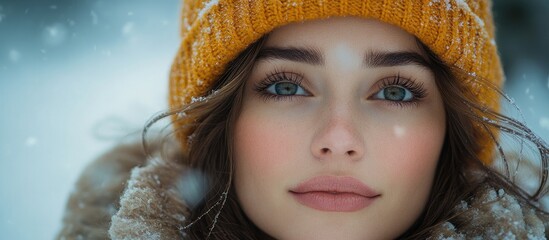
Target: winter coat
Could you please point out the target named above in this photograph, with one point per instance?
(125, 195)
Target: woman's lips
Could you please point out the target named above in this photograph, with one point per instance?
(334, 194)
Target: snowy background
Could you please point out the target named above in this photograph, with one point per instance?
(76, 76)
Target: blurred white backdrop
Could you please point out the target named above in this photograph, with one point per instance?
(76, 76)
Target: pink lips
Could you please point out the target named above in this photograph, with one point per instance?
(334, 194)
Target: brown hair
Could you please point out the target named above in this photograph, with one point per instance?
(458, 175)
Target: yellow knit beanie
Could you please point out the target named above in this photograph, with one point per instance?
(214, 32)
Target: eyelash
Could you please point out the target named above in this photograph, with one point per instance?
(417, 89)
(277, 76)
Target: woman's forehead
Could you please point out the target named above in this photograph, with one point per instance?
(357, 33)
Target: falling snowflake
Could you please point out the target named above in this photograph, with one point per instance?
(95, 19)
(128, 28)
(191, 186)
(14, 55)
(55, 34)
(544, 123)
(31, 141)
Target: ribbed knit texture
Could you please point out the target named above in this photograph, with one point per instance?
(461, 32)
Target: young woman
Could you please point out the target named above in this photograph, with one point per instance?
(323, 120)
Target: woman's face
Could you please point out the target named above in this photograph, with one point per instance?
(340, 132)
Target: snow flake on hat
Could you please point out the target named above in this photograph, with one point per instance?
(207, 8)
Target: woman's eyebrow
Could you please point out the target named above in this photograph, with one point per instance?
(398, 58)
(315, 57)
(305, 55)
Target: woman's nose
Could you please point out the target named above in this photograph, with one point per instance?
(337, 139)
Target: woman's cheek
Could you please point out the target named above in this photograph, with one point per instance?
(266, 160)
(412, 155)
(259, 143)
(266, 149)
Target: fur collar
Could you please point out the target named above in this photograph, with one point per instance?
(122, 195)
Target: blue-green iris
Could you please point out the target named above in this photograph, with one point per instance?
(285, 88)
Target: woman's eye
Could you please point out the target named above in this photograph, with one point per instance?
(395, 94)
(285, 89)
